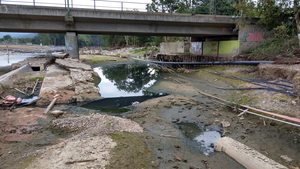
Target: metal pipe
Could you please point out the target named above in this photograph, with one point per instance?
(94, 4)
(208, 63)
(33, 2)
(122, 6)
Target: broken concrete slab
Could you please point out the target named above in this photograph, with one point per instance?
(25, 68)
(36, 63)
(71, 84)
(79, 75)
(73, 64)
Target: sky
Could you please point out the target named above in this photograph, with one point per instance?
(140, 5)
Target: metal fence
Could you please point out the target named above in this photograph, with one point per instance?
(88, 4)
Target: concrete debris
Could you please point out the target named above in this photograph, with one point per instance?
(79, 75)
(4, 78)
(73, 64)
(72, 85)
(286, 158)
(39, 63)
(225, 124)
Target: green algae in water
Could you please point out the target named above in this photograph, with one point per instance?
(190, 130)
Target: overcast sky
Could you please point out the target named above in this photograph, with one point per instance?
(140, 5)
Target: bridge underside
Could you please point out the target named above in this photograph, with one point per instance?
(14, 18)
(115, 28)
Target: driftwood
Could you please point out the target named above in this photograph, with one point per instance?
(177, 158)
(162, 135)
(37, 82)
(80, 161)
(50, 106)
(21, 91)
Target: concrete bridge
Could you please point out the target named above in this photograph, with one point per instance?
(16, 18)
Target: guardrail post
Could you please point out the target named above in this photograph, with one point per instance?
(147, 7)
(65, 3)
(94, 4)
(33, 2)
(72, 3)
(122, 6)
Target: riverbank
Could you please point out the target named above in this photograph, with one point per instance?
(20, 49)
(179, 124)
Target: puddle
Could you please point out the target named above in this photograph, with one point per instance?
(124, 80)
(206, 137)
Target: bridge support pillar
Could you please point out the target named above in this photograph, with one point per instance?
(71, 41)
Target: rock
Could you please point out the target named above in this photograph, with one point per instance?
(176, 120)
(286, 158)
(199, 107)
(296, 84)
(225, 124)
(57, 113)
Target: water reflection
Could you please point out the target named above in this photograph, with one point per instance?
(126, 80)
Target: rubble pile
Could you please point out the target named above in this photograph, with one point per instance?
(71, 80)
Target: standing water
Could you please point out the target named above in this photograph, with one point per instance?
(123, 85)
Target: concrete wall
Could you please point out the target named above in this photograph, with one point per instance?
(225, 48)
(229, 48)
(174, 47)
(196, 48)
(251, 35)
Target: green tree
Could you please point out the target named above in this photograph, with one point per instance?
(7, 38)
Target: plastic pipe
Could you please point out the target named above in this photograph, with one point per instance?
(246, 156)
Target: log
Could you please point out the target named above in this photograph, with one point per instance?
(177, 158)
(162, 135)
(80, 161)
(50, 106)
(37, 81)
(21, 91)
(245, 155)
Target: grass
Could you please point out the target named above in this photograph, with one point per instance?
(143, 52)
(130, 146)
(34, 79)
(274, 46)
(27, 162)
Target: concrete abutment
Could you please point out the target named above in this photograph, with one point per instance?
(71, 41)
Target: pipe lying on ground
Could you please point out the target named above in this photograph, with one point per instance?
(246, 156)
(252, 108)
(208, 63)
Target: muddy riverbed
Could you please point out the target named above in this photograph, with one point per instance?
(183, 124)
